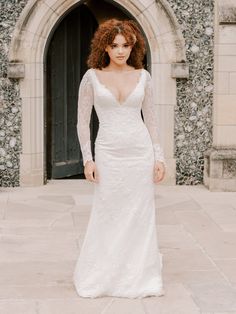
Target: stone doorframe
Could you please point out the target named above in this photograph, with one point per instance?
(27, 62)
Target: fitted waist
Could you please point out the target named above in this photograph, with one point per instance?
(129, 123)
(127, 134)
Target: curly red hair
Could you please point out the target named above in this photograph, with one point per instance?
(104, 36)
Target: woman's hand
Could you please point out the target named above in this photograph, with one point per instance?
(159, 171)
(90, 171)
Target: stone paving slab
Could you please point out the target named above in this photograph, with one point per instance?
(42, 230)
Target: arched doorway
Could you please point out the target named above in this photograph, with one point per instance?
(65, 65)
(27, 57)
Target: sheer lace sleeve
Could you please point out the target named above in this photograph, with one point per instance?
(149, 110)
(85, 104)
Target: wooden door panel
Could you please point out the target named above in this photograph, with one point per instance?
(66, 64)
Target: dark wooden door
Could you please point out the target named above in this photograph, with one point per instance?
(66, 64)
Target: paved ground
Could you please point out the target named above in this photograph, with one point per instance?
(42, 230)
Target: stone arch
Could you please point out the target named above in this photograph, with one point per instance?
(27, 51)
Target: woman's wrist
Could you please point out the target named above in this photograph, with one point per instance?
(162, 161)
(88, 161)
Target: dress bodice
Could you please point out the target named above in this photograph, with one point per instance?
(104, 92)
(114, 114)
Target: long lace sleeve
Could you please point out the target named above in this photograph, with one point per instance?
(149, 110)
(85, 104)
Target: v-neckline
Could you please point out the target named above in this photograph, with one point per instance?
(121, 103)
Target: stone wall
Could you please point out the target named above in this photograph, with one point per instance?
(10, 104)
(193, 117)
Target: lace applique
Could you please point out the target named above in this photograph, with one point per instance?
(149, 110)
(85, 104)
(159, 154)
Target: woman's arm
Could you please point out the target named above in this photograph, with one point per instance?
(149, 110)
(85, 104)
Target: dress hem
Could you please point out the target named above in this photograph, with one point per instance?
(161, 292)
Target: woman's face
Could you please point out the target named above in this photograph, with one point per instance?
(119, 51)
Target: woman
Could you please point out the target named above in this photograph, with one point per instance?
(120, 256)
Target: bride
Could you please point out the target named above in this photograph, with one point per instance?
(120, 254)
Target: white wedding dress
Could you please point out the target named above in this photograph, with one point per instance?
(120, 255)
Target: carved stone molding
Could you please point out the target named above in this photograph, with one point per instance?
(179, 70)
(16, 70)
(220, 169)
(227, 12)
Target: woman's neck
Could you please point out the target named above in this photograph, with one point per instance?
(118, 67)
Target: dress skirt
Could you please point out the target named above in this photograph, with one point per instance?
(120, 255)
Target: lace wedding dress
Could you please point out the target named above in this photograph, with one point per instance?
(120, 255)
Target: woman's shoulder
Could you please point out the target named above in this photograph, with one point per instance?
(147, 77)
(87, 76)
(147, 73)
(88, 72)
